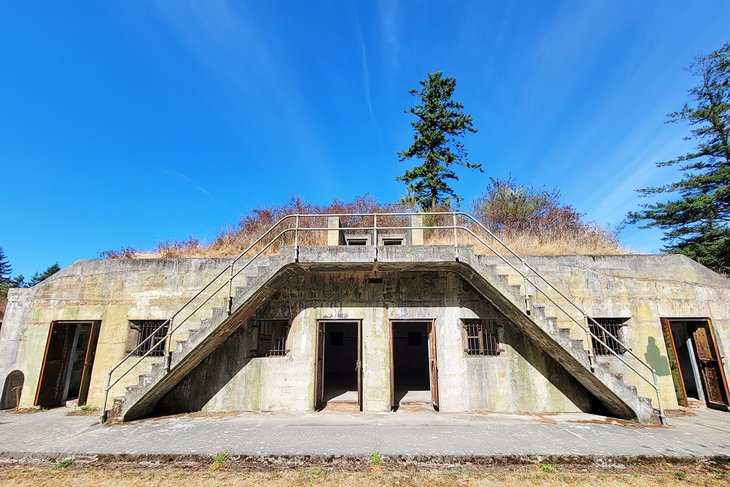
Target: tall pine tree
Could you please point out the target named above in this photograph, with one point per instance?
(440, 124)
(696, 222)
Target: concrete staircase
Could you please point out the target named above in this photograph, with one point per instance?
(497, 283)
(202, 336)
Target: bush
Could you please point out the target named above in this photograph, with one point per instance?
(534, 221)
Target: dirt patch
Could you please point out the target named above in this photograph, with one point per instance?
(125, 475)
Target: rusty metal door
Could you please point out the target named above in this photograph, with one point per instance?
(319, 368)
(359, 364)
(89, 362)
(392, 367)
(710, 368)
(433, 365)
(55, 362)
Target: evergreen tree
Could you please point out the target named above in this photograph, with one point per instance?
(38, 278)
(696, 222)
(5, 268)
(440, 124)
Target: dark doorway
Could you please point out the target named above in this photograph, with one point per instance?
(699, 371)
(413, 364)
(67, 363)
(338, 378)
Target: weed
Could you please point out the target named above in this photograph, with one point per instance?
(64, 463)
(679, 475)
(219, 460)
(547, 468)
(87, 408)
(376, 458)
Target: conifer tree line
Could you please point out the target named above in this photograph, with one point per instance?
(7, 281)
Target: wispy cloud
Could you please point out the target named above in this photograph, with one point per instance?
(179, 176)
(232, 47)
(366, 76)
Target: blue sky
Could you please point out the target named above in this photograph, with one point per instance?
(127, 123)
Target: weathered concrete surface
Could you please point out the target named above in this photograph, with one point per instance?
(644, 288)
(52, 435)
(521, 379)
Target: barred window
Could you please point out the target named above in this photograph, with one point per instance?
(608, 335)
(272, 338)
(141, 330)
(482, 337)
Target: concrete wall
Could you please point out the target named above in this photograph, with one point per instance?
(519, 379)
(642, 288)
(112, 291)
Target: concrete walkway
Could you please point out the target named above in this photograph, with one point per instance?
(415, 435)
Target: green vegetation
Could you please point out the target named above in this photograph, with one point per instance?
(219, 460)
(440, 124)
(68, 461)
(7, 281)
(696, 221)
(376, 458)
(547, 468)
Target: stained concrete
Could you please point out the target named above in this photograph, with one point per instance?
(643, 288)
(408, 435)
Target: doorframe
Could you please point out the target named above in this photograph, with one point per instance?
(713, 337)
(319, 360)
(432, 358)
(88, 365)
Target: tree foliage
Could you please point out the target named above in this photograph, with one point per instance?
(440, 124)
(510, 209)
(696, 220)
(40, 277)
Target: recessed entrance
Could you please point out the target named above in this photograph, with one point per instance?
(338, 368)
(414, 374)
(67, 363)
(698, 371)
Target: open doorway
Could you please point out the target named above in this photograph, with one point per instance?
(413, 370)
(67, 363)
(338, 365)
(699, 375)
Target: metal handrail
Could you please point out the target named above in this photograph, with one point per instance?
(374, 228)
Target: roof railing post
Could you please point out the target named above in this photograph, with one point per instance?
(296, 239)
(456, 238)
(375, 237)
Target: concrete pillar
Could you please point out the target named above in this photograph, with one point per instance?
(333, 234)
(417, 233)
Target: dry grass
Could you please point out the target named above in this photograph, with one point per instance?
(553, 233)
(199, 476)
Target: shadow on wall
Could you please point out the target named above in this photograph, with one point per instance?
(551, 370)
(11, 390)
(655, 359)
(209, 377)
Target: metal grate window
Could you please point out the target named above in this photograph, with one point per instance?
(482, 337)
(613, 327)
(272, 338)
(156, 329)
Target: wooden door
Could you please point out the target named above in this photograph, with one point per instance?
(55, 362)
(358, 366)
(433, 365)
(89, 363)
(673, 359)
(710, 368)
(319, 368)
(392, 367)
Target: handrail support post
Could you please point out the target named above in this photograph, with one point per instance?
(296, 238)
(456, 239)
(375, 237)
